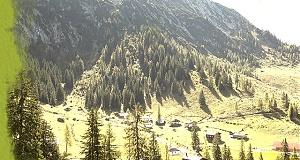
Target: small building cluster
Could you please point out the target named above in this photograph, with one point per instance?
(277, 146)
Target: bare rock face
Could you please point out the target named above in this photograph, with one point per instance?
(58, 30)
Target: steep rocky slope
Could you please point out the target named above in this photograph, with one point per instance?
(59, 30)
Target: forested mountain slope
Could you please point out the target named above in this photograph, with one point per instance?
(64, 38)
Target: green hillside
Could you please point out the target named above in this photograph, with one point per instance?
(10, 63)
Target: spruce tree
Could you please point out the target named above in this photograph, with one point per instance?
(294, 155)
(68, 137)
(167, 152)
(260, 104)
(226, 153)
(92, 139)
(110, 151)
(205, 152)
(60, 95)
(24, 120)
(216, 151)
(135, 143)
(236, 81)
(230, 82)
(260, 156)
(242, 153)
(291, 112)
(153, 149)
(49, 146)
(202, 99)
(195, 139)
(249, 154)
(229, 153)
(285, 150)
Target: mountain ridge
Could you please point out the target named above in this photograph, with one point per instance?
(59, 30)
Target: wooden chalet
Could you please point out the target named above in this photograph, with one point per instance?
(238, 135)
(174, 151)
(211, 135)
(175, 123)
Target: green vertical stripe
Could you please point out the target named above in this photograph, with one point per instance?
(10, 64)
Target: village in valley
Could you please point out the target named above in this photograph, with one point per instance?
(173, 126)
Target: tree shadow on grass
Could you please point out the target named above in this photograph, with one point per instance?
(181, 99)
(206, 109)
(214, 92)
(188, 85)
(296, 121)
(275, 114)
(227, 92)
(211, 89)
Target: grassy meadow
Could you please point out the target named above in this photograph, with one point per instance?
(10, 63)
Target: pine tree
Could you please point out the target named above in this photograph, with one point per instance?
(195, 139)
(294, 155)
(249, 154)
(60, 95)
(229, 153)
(260, 156)
(230, 82)
(135, 141)
(236, 81)
(153, 149)
(92, 139)
(202, 99)
(110, 152)
(285, 100)
(236, 107)
(159, 120)
(226, 153)
(210, 82)
(290, 112)
(202, 74)
(242, 153)
(68, 137)
(266, 98)
(260, 104)
(285, 150)
(274, 103)
(205, 152)
(167, 152)
(49, 146)
(24, 120)
(216, 151)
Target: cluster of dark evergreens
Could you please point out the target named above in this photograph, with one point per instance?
(139, 144)
(97, 146)
(51, 83)
(150, 63)
(146, 63)
(32, 137)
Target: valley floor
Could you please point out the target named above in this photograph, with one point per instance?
(263, 128)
